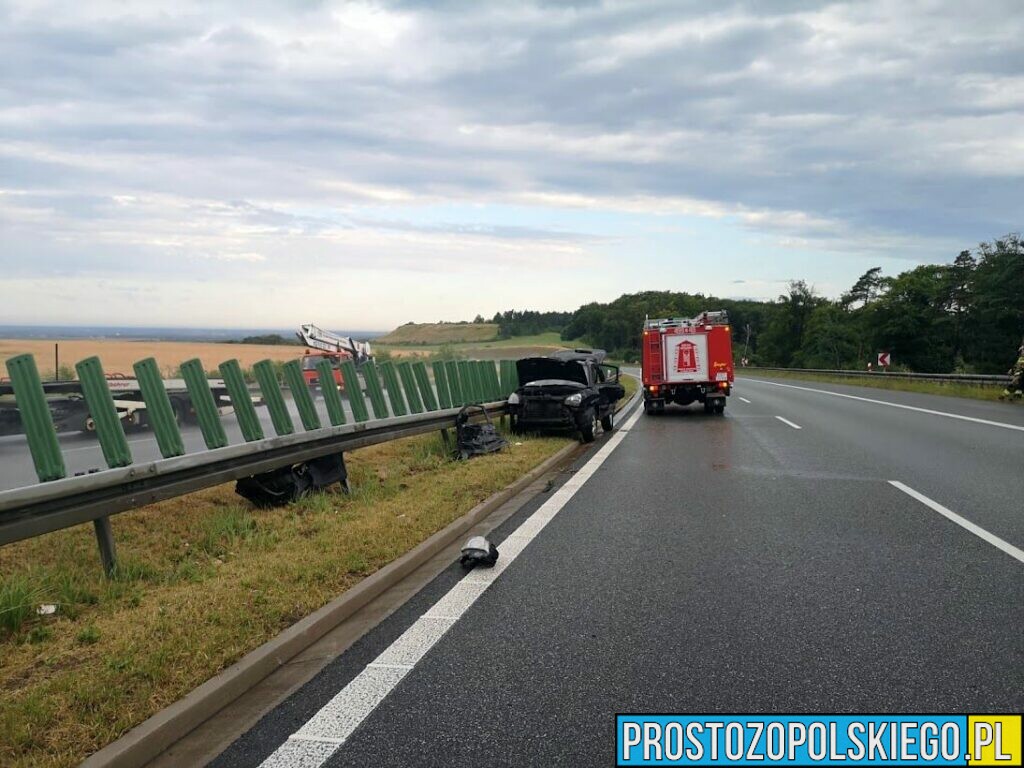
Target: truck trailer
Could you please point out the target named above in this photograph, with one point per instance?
(686, 361)
(71, 413)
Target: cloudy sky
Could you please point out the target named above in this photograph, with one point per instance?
(262, 164)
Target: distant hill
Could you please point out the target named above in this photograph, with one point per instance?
(440, 333)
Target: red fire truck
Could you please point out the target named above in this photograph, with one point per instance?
(686, 361)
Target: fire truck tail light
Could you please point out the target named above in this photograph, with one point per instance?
(723, 385)
(653, 388)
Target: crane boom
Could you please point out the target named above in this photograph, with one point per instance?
(325, 341)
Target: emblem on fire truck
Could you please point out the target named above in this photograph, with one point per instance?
(686, 357)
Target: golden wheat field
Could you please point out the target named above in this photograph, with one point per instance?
(117, 356)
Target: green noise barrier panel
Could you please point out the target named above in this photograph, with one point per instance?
(419, 372)
(412, 395)
(454, 384)
(387, 372)
(103, 413)
(354, 390)
(509, 377)
(159, 412)
(329, 388)
(374, 390)
(273, 397)
(466, 382)
(241, 401)
(301, 395)
(203, 403)
(36, 419)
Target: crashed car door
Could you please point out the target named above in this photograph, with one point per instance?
(608, 384)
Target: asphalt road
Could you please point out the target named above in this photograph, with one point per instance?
(760, 561)
(82, 451)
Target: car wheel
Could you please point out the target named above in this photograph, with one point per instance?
(589, 430)
(608, 422)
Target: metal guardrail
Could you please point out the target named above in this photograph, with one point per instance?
(962, 378)
(60, 502)
(38, 509)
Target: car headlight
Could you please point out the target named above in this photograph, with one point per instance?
(513, 399)
(574, 399)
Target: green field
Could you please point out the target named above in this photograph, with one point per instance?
(425, 334)
(495, 349)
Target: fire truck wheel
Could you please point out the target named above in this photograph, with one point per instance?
(720, 407)
(589, 430)
(608, 422)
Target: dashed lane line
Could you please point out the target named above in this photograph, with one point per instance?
(963, 522)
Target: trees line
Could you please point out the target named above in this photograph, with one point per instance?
(966, 316)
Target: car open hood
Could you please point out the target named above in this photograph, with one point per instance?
(542, 371)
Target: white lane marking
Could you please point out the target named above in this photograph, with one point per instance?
(787, 421)
(314, 743)
(744, 400)
(977, 530)
(896, 405)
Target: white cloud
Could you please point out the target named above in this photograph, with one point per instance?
(256, 135)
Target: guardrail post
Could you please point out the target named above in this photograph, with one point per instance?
(271, 391)
(354, 390)
(300, 394)
(419, 371)
(103, 413)
(412, 397)
(241, 401)
(36, 419)
(374, 390)
(202, 403)
(159, 412)
(105, 540)
(387, 372)
(329, 388)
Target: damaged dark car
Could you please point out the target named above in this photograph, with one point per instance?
(570, 391)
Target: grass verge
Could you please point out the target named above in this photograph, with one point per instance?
(204, 579)
(630, 384)
(880, 381)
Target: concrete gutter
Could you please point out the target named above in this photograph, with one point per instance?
(146, 741)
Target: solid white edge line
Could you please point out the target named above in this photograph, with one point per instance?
(285, 753)
(948, 415)
(787, 421)
(949, 514)
(744, 399)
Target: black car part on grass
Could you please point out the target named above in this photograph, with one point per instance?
(476, 439)
(288, 484)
